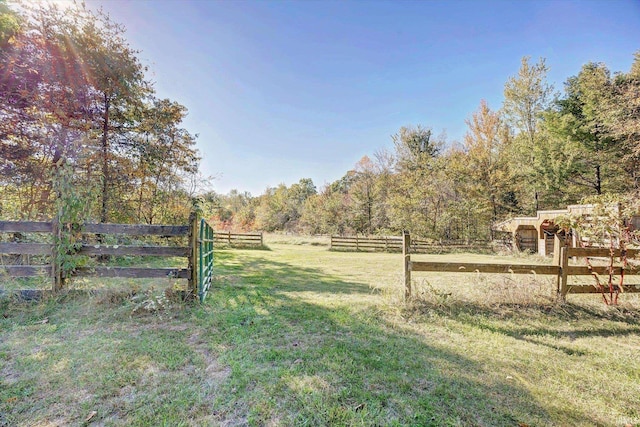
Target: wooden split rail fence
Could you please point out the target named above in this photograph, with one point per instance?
(238, 239)
(395, 244)
(55, 271)
(560, 268)
(198, 251)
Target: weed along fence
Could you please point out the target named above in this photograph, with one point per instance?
(238, 239)
(395, 244)
(560, 268)
(54, 259)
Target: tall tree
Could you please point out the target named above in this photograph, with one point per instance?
(418, 199)
(363, 195)
(489, 178)
(581, 120)
(118, 87)
(42, 103)
(526, 96)
(72, 91)
(622, 118)
(164, 152)
(415, 146)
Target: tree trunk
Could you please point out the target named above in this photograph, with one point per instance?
(104, 217)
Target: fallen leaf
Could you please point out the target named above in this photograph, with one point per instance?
(91, 415)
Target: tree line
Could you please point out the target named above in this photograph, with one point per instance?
(78, 114)
(80, 123)
(540, 150)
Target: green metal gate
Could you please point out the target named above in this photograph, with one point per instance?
(205, 259)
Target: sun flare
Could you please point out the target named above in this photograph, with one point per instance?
(62, 4)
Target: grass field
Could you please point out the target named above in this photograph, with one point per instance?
(300, 336)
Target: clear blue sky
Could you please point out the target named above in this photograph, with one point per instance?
(283, 90)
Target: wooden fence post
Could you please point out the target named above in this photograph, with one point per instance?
(229, 238)
(406, 242)
(557, 260)
(357, 245)
(564, 266)
(557, 245)
(56, 268)
(261, 238)
(193, 254)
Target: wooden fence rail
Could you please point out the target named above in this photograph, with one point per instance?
(18, 266)
(561, 268)
(54, 271)
(238, 239)
(394, 244)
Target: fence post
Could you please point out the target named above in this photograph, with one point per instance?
(331, 242)
(557, 245)
(261, 238)
(406, 242)
(357, 245)
(193, 254)
(229, 238)
(564, 264)
(56, 268)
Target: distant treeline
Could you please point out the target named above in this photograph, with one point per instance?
(540, 150)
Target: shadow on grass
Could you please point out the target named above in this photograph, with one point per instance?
(328, 367)
(253, 354)
(339, 366)
(530, 321)
(528, 311)
(280, 276)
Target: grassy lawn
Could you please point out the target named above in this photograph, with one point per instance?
(298, 335)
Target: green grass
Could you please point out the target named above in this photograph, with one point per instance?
(298, 335)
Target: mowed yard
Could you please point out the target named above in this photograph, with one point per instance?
(300, 336)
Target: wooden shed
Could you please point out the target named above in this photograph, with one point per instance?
(536, 233)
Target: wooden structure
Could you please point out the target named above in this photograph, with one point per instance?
(560, 268)
(536, 234)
